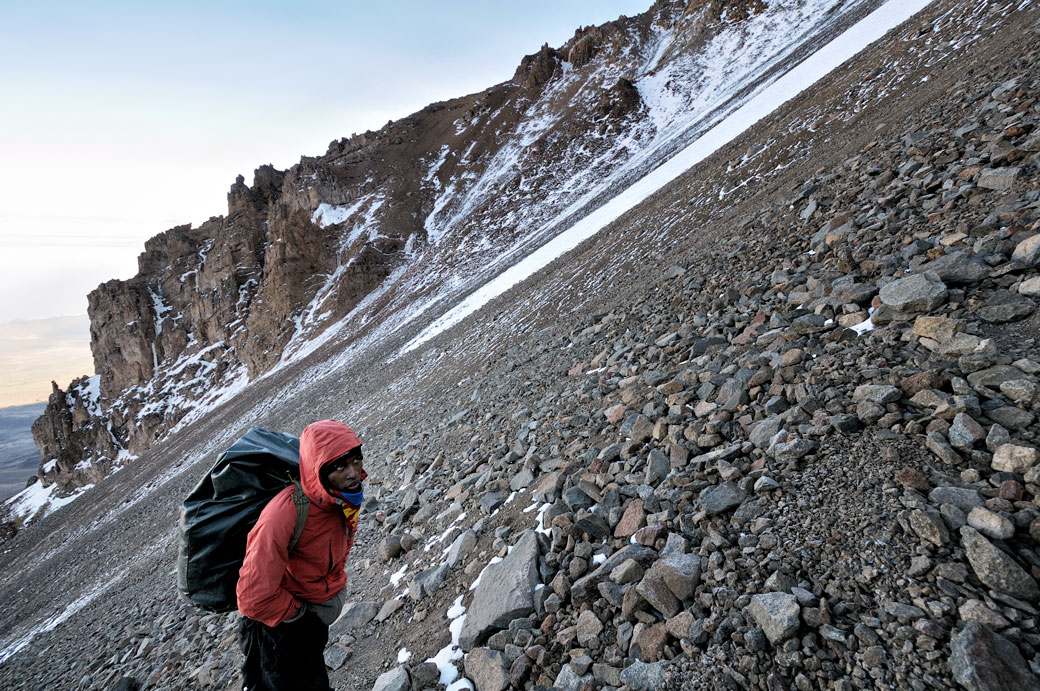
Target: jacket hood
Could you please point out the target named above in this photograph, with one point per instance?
(321, 443)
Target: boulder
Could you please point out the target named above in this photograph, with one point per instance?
(680, 572)
(489, 669)
(998, 178)
(1013, 458)
(915, 294)
(354, 616)
(505, 592)
(995, 568)
(394, 680)
(1028, 251)
(958, 268)
(777, 614)
(720, 498)
(644, 676)
(982, 660)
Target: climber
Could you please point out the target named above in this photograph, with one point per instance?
(289, 600)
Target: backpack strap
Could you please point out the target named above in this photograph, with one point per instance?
(303, 507)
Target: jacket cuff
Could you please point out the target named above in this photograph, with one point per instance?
(298, 614)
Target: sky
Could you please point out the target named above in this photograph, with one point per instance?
(119, 120)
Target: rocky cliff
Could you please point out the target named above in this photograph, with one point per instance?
(404, 218)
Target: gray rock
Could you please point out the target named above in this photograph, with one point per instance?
(594, 524)
(394, 680)
(427, 582)
(765, 484)
(1020, 391)
(606, 674)
(990, 524)
(876, 393)
(794, 449)
(644, 676)
(522, 480)
(703, 345)
(588, 627)
(901, 610)
(1006, 308)
(993, 377)
(764, 430)
(1028, 251)
(680, 572)
(721, 498)
(657, 466)
(958, 268)
(833, 634)
(576, 499)
(390, 548)
(488, 669)
(586, 585)
(336, 654)
(673, 271)
(915, 294)
(388, 608)
(424, 675)
(1011, 417)
(998, 178)
(569, 680)
(776, 614)
(505, 592)
(1030, 286)
(965, 432)
(962, 497)
(982, 660)
(461, 547)
(938, 445)
(656, 592)
(997, 437)
(491, 501)
(780, 582)
(628, 571)
(1013, 458)
(929, 525)
(637, 427)
(354, 616)
(976, 610)
(996, 569)
(869, 412)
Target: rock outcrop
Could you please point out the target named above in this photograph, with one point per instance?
(71, 430)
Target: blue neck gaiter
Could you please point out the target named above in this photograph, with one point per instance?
(353, 498)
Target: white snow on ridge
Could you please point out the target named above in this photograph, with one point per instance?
(36, 501)
(804, 75)
(327, 215)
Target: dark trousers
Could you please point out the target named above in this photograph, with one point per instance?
(287, 657)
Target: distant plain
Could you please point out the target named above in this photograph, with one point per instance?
(18, 454)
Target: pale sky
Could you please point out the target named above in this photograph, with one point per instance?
(119, 120)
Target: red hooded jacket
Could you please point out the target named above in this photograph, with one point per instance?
(272, 583)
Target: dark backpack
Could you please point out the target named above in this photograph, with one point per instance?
(219, 513)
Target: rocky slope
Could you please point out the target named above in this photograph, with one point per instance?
(388, 226)
(776, 429)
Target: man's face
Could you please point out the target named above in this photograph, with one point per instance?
(345, 472)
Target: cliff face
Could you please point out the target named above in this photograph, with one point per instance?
(386, 225)
(77, 445)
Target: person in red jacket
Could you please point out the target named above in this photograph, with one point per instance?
(289, 600)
